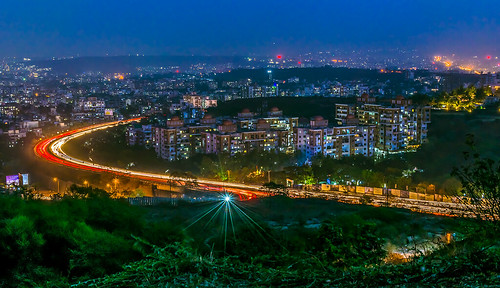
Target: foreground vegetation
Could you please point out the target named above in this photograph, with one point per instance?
(88, 239)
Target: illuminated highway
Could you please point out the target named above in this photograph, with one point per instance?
(51, 149)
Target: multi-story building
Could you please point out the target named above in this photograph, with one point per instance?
(140, 135)
(399, 127)
(255, 91)
(376, 128)
(89, 108)
(9, 110)
(196, 101)
(91, 104)
(177, 141)
(337, 141)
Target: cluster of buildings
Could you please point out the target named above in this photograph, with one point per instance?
(399, 126)
(56, 101)
(362, 129)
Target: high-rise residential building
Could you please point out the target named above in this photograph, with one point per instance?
(197, 101)
(247, 132)
(139, 135)
(399, 127)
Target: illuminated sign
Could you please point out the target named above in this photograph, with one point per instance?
(12, 179)
(25, 179)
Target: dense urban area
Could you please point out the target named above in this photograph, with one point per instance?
(249, 144)
(238, 171)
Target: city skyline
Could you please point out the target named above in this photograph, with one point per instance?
(289, 28)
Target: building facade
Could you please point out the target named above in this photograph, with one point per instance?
(399, 126)
(247, 132)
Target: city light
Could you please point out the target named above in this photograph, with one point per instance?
(178, 151)
(228, 212)
(51, 149)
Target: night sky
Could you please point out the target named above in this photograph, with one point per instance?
(43, 28)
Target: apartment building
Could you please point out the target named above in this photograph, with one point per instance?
(247, 132)
(399, 126)
(139, 135)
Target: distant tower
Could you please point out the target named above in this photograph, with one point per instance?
(270, 72)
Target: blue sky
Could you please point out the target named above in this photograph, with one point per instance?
(90, 27)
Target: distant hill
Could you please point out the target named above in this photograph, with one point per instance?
(129, 64)
(310, 74)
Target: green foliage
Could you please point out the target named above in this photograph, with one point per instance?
(21, 242)
(480, 190)
(97, 252)
(463, 99)
(348, 245)
(58, 243)
(177, 265)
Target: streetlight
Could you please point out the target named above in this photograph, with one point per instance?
(115, 181)
(386, 195)
(86, 183)
(56, 180)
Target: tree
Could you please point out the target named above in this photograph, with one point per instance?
(480, 192)
(21, 244)
(80, 192)
(451, 186)
(483, 93)
(347, 244)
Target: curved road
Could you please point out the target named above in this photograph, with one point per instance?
(51, 149)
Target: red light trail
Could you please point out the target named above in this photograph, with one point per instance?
(51, 150)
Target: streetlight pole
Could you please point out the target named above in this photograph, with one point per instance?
(57, 180)
(386, 195)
